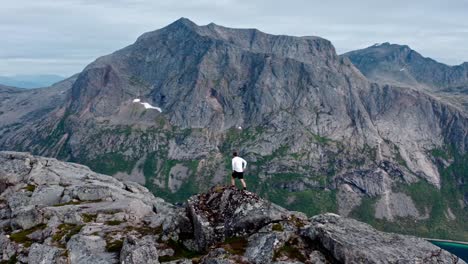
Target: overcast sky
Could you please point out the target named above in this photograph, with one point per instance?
(63, 36)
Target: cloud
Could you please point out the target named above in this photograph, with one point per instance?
(62, 37)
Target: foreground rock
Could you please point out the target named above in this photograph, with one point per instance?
(57, 212)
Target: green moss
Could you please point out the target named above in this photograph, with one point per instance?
(114, 245)
(88, 217)
(114, 222)
(277, 227)
(30, 188)
(320, 139)
(66, 231)
(22, 236)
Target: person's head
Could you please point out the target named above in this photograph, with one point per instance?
(234, 153)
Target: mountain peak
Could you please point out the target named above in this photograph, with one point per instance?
(184, 22)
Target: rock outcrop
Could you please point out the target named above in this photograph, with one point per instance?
(56, 212)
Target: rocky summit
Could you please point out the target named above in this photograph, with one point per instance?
(58, 212)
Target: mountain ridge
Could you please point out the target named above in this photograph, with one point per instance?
(400, 65)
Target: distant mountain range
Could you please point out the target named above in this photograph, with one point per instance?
(30, 81)
(400, 65)
(321, 132)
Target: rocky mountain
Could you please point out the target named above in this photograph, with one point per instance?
(58, 212)
(400, 65)
(168, 110)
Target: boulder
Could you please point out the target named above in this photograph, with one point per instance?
(39, 253)
(135, 251)
(89, 250)
(226, 212)
(47, 195)
(351, 241)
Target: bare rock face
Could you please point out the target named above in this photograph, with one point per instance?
(222, 226)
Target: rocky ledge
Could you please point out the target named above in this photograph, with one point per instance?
(58, 212)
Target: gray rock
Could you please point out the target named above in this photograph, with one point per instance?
(92, 192)
(226, 212)
(136, 251)
(89, 250)
(350, 241)
(27, 217)
(42, 254)
(47, 195)
(262, 246)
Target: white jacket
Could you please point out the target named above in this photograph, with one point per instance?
(238, 164)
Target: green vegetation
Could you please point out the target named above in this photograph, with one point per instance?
(188, 188)
(320, 139)
(114, 222)
(150, 165)
(111, 163)
(430, 200)
(439, 153)
(12, 260)
(22, 236)
(30, 188)
(311, 202)
(66, 231)
(114, 245)
(277, 227)
(88, 217)
(366, 210)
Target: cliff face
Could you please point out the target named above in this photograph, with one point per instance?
(57, 212)
(312, 127)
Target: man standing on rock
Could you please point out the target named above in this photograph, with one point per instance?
(238, 167)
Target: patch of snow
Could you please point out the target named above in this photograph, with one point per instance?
(377, 44)
(402, 69)
(147, 105)
(240, 127)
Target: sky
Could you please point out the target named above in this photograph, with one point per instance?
(63, 36)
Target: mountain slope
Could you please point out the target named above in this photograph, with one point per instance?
(400, 65)
(317, 134)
